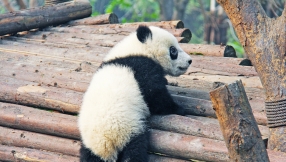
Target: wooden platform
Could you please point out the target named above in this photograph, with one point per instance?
(44, 74)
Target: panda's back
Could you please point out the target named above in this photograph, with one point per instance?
(113, 108)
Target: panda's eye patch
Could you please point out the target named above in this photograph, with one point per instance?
(173, 52)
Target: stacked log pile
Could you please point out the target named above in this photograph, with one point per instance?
(44, 74)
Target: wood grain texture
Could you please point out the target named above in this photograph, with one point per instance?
(240, 131)
(24, 20)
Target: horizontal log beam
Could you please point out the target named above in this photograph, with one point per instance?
(222, 64)
(188, 147)
(109, 18)
(177, 146)
(23, 20)
(20, 138)
(12, 153)
(157, 158)
(229, 60)
(36, 120)
(175, 24)
(90, 29)
(209, 50)
(64, 100)
(29, 93)
(26, 118)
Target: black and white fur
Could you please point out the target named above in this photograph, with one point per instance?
(129, 86)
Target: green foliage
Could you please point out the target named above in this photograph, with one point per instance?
(2, 9)
(121, 4)
(234, 42)
(238, 48)
(132, 10)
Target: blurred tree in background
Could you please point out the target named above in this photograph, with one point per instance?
(205, 18)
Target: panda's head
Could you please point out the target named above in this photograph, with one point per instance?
(155, 43)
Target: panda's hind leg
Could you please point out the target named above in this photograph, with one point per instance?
(135, 150)
(87, 156)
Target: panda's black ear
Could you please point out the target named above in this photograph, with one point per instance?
(143, 32)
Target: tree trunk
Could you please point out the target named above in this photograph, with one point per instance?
(180, 9)
(33, 3)
(21, 4)
(263, 39)
(8, 6)
(166, 9)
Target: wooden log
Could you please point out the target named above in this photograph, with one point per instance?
(36, 18)
(179, 91)
(191, 147)
(195, 106)
(220, 60)
(79, 40)
(187, 147)
(172, 144)
(71, 53)
(204, 81)
(221, 66)
(237, 122)
(20, 138)
(48, 73)
(193, 125)
(79, 55)
(183, 32)
(12, 153)
(157, 158)
(64, 100)
(109, 18)
(36, 120)
(209, 50)
(182, 40)
(175, 24)
(26, 118)
(29, 93)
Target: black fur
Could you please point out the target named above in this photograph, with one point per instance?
(152, 83)
(134, 151)
(143, 32)
(87, 156)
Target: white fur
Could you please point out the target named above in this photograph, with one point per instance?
(156, 48)
(111, 111)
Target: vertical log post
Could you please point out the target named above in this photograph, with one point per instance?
(237, 123)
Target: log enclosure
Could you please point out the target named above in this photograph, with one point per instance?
(45, 72)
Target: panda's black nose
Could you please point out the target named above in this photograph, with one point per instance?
(190, 61)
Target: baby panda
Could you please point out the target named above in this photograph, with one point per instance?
(129, 86)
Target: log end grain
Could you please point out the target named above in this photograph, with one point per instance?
(187, 34)
(229, 51)
(113, 19)
(245, 62)
(179, 24)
